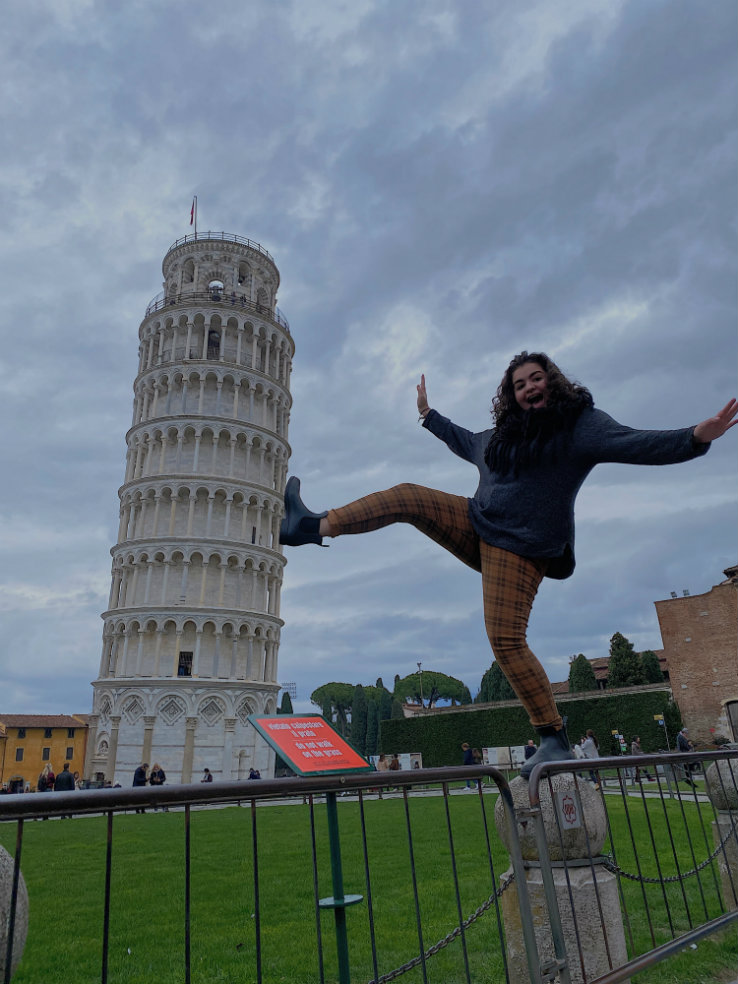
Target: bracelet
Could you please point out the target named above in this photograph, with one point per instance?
(424, 415)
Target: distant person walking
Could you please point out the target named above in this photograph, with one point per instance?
(65, 780)
(207, 775)
(139, 779)
(468, 760)
(64, 783)
(44, 785)
(685, 745)
(591, 749)
(530, 749)
(635, 749)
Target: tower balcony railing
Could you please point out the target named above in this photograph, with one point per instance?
(219, 296)
(224, 237)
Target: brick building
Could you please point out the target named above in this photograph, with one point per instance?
(29, 741)
(700, 637)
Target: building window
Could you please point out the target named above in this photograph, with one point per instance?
(185, 664)
(46, 754)
(19, 755)
(70, 732)
(21, 732)
(47, 732)
(70, 752)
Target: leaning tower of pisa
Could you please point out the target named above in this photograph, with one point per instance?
(191, 634)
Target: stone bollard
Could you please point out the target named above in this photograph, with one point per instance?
(583, 832)
(21, 913)
(721, 779)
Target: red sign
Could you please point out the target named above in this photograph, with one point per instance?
(310, 745)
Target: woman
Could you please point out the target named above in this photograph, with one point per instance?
(519, 526)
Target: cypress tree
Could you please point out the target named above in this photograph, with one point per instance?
(385, 705)
(652, 672)
(359, 712)
(372, 728)
(581, 675)
(495, 686)
(286, 706)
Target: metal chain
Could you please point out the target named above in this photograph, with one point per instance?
(611, 865)
(437, 947)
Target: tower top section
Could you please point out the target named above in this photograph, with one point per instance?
(220, 267)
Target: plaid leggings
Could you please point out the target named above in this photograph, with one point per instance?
(509, 582)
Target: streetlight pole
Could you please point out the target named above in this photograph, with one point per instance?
(420, 674)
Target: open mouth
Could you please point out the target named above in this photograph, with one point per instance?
(536, 401)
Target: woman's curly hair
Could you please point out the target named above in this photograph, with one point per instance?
(520, 436)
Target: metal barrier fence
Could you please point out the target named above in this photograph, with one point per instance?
(363, 933)
(435, 882)
(650, 869)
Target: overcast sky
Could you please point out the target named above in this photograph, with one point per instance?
(441, 184)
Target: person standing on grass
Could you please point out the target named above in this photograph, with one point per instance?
(65, 780)
(157, 777)
(635, 749)
(685, 745)
(519, 526)
(591, 749)
(139, 779)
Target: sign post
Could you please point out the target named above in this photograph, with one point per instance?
(312, 747)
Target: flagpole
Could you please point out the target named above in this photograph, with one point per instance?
(195, 216)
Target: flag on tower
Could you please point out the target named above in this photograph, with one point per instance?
(192, 210)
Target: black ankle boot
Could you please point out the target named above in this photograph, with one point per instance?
(554, 747)
(299, 525)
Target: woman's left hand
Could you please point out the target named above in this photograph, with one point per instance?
(714, 427)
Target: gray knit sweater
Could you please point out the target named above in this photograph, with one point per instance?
(532, 514)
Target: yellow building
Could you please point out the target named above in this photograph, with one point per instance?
(28, 742)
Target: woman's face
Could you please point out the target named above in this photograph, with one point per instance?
(530, 385)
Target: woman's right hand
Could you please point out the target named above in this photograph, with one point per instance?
(423, 407)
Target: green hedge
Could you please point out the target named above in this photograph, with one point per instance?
(438, 737)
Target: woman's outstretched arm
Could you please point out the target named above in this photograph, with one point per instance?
(714, 427)
(423, 407)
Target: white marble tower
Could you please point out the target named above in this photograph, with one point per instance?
(191, 634)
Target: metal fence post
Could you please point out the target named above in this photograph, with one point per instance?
(338, 901)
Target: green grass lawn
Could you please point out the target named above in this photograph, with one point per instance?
(63, 865)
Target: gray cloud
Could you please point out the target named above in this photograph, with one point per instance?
(441, 186)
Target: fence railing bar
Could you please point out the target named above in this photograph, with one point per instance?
(613, 851)
(533, 814)
(13, 902)
(257, 900)
(664, 895)
(316, 890)
(368, 883)
(455, 876)
(734, 832)
(106, 900)
(668, 949)
(413, 874)
(675, 854)
(695, 863)
(187, 894)
(493, 874)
